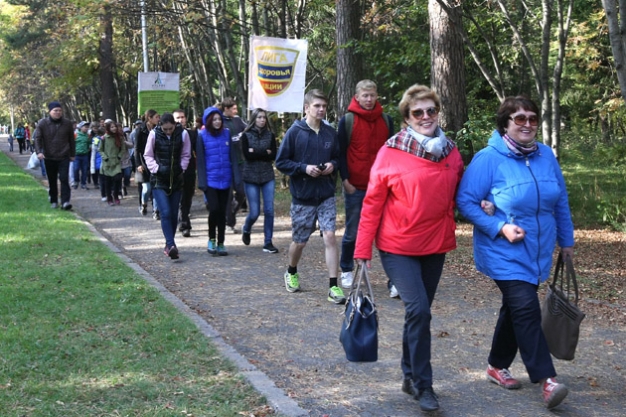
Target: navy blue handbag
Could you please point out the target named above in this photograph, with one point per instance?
(359, 330)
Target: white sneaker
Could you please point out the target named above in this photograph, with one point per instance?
(393, 292)
(346, 279)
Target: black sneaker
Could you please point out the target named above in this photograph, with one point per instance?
(269, 248)
(172, 251)
(245, 238)
(408, 387)
(428, 399)
(66, 206)
(186, 232)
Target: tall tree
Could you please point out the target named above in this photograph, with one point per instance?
(348, 60)
(616, 19)
(105, 53)
(448, 64)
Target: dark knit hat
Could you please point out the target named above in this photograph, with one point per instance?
(53, 105)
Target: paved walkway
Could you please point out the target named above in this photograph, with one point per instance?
(287, 344)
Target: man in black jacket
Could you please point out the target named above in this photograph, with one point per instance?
(189, 187)
(55, 147)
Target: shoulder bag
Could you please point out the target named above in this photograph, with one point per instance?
(560, 315)
(359, 330)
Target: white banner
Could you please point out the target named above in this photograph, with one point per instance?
(277, 74)
(158, 91)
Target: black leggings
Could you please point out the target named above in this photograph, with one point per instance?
(217, 200)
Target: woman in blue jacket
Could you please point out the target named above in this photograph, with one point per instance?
(514, 245)
(215, 161)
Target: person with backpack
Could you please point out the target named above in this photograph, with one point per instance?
(362, 132)
(20, 135)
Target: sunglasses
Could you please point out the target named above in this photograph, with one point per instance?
(521, 120)
(419, 113)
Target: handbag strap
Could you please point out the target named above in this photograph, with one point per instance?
(565, 276)
(362, 279)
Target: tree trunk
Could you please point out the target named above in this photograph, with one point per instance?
(617, 35)
(544, 73)
(447, 74)
(348, 60)
(106, 64)
(564, 19)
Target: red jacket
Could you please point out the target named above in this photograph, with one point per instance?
(409, 205)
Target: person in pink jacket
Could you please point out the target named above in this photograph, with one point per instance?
(408, 213)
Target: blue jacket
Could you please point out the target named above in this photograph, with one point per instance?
(215, 156)
(528, 191)
(300, 147)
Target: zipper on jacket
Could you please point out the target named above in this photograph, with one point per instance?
(537, 221)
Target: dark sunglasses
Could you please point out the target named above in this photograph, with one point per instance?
(521, 120)
(419, 113)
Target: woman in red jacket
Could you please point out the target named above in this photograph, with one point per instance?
(408, 211)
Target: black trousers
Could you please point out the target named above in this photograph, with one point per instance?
(60, 170)
(189, 188)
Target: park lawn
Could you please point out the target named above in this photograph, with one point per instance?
(83, 335)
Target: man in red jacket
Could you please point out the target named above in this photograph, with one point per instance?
(362, 131)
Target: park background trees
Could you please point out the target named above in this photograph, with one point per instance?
(87, 53)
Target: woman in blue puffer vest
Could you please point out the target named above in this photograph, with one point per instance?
(215, 161)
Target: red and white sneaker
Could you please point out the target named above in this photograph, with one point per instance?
(553, 393)
(502, 377)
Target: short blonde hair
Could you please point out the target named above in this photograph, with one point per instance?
(414, 93)
(365, 85)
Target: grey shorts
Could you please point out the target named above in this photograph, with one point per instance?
(303, 219)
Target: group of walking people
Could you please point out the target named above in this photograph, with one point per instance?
(171, 159)
(400, 192)
(513, 192)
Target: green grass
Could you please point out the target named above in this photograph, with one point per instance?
(596, 187)
(82, 335)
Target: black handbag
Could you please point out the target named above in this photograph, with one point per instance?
(560, 315)
(359, 330)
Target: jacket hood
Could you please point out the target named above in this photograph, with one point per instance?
(209, 112)
(497, 142)
(302, 124)
(369, 115)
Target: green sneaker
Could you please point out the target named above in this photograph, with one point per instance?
(335, 295)
(291, 282)
(212, 247)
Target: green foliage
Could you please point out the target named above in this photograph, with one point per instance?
(474, 135)
(596, 179)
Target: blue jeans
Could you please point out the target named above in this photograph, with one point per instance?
(416, 278)
(81, 169)
(519, 327)
(168, 207)
(146, 190)
(253, 193)
(353, 203)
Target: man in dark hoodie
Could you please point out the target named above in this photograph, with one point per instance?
(237, 198)
(309, 154)
(55, 147)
